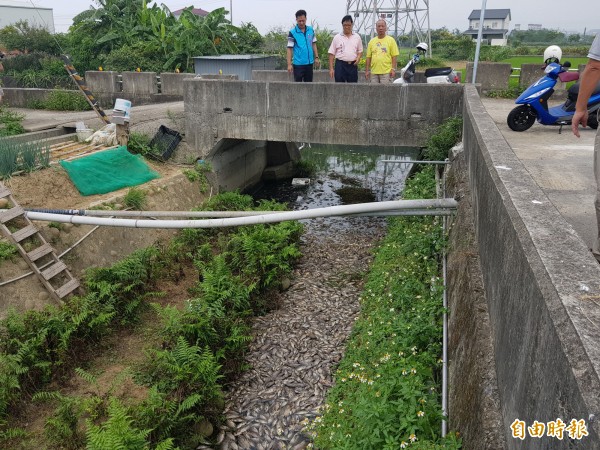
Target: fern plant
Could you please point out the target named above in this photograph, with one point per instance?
(117, 432)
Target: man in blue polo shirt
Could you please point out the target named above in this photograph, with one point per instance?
(302, 46)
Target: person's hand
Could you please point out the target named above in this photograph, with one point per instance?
(367, 74)
(317, 63)
(289, 68)
(331, 72)
(393, 74)
(580, 117)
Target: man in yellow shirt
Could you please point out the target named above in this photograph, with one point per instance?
(382, 56)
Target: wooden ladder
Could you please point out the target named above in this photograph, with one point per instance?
(44, 254)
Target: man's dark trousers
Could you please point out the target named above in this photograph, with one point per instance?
(303, 73)
(345, 72)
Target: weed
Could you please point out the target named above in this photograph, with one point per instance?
(306, 169)
(62, 100)
(10, 122)
(135, 199)
(7, 250)
(443, 139)
(139, 143)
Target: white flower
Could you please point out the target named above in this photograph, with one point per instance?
(420, 414)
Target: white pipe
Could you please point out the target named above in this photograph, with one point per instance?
(341, 210)
(445, 325)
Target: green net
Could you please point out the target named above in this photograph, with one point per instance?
(108, 171)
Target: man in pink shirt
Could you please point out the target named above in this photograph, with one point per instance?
(347, 49)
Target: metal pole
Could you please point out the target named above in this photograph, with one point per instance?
(231, 11)
(445, 323)
(479, 34)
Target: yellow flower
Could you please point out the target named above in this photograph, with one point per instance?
(412, 437)
(420, 414)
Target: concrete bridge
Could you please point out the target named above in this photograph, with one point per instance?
(528, 348)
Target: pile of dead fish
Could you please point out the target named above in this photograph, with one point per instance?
(296, 348)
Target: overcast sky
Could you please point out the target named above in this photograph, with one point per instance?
(267, 14)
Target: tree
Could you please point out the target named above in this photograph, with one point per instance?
(248, 39)
(25, 38)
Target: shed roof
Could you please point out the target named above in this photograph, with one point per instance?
(490, 14)
(16, 4)
(233, 57)
(196, 11)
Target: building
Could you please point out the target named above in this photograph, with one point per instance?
(534, 26)
(196, 11)
(13, 11)
(495, 25)
(240, 65)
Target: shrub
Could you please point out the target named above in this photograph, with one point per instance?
(446, 136)
(62, 100)
(135, 199)
(139, 143)
(10, 122)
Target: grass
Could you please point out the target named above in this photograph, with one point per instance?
(387, 386)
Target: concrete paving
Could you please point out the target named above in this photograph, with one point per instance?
(560, 164)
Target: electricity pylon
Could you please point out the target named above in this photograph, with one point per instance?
(409, 18)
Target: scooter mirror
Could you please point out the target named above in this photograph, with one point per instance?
(567, 64)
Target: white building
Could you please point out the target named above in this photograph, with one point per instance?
(495, 25)
(14, 11)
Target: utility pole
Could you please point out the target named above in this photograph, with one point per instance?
(231, 11)
(403, 17)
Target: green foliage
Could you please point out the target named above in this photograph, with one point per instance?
(305, 169)
(62, 100)
(135, 199)
(7, 250)
(139, 143)
(455, 49)
(25, 156)
(62, 428)
(26, 38)
(545, 37)
(198, 173)
(386, 394)
(247, 39)
(37, 70)
(10, 122)
(443, 139)
(131, 56)
(118, 432)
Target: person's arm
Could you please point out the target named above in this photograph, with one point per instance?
(394, 64)
(316, 53)
(290, 52)
(358, 56)
(589, 79)
(367, 67)
(331, 71)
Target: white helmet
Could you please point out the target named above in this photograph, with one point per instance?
(552, 54)
(422, 46)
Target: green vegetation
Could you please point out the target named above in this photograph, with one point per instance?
(10, 122)
(22, 156)
(193, 349)
(62, 100)
(135, 199)
(7, 250)
(198, 173)
(387, 389)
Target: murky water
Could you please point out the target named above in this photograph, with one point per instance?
(339, 168)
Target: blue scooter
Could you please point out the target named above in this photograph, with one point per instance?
(533, 103)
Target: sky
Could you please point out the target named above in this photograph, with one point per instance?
(268, 14)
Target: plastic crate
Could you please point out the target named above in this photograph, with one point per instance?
(165, 140)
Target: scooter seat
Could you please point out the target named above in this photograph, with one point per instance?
(437, 71)
(573, 91)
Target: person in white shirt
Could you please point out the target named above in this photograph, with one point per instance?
(346, 48)
(589, 84)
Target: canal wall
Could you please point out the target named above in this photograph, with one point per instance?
(541, 287)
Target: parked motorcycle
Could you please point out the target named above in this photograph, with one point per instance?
(533, 103)
(435, 75)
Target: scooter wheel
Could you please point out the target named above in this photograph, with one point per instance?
(521, 118)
